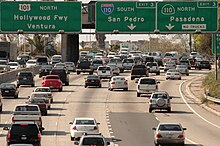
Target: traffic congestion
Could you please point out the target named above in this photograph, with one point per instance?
(107, 98)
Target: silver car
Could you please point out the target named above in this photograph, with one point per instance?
(118, 82)
(92, 140)
(169, 133)
(160, 100)
(183, 69)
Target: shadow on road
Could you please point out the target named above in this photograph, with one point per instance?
(173, 112)
(57, 108)
(6, 112)
(54, 114)
(60, 102)
(54, 133)
(68, 91)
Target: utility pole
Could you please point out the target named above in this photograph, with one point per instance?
(190, 43)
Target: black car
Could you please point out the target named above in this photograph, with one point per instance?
(23, 132)
(8, 89)
(93, 80)
(203, 65)
(42, 60)
(41, 103)
(62, 73)
(45, 70)
(25, 78)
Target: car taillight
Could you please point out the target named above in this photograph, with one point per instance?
(38, 137)
(19, 78)
(181, 136)
(43, 84)
(125, 83)
(112, 82)
(8, 137)
(77, 66)
(12, 119)
(74, 128)
(158, 136)
(49, 95)
(95, 128)
(150, 100)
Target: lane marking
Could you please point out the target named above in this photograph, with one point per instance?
(193, 109)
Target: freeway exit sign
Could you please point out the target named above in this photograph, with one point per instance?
(217, 43)
(187, 16)
(41, 17)
(125, 17)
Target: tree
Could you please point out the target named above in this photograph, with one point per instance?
(100, 38)
(203, 43)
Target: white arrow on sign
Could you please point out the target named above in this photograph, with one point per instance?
(169, 26)
(131, 27)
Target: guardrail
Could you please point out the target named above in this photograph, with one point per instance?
(213, 99)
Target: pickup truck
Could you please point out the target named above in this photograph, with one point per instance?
(84, 66)
(139, 70)
(27, 112)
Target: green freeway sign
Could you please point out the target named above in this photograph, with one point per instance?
(187, 16)
(41, 17)
(217, 41)
(125, 17)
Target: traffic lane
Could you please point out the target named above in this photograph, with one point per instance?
(83, 102)
(182, 114)
(133, 129)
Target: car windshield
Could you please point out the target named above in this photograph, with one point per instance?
(52, 77)
(148, 81)
(170, 127)
(42, 90)
(85, 122)
(93, 141)
(159, 96)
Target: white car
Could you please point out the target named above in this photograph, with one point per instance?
(82, 125)
(173, 74)
(70, 66)
(147, 85)
(169, 134)
(118, 82)
(31, 63)
(41, 95)
(14, 65)
(46, 90)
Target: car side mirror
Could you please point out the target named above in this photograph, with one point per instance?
(5, 128)
(98, 123)
(108, 143)
(154, 128)
(184, 128)
(42, 128)
(76, 143)
(70, 122)
(158, 82)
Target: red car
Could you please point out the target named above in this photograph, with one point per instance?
(52, 81)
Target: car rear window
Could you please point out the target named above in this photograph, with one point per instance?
(25, 74)
(46, 67)
(24, 129)
(60, 71)
(97, 62)
(85, 122)
(104, 68)
(42, 60)
(151, 64)
(43, 90)
(92, 77)
(7, 86)
(139, 66)
(118, 79)
(26, 108)
(164, 96)
(170, 127)
(204, 62)
(128, 61)
(148, 81)
(93, 141)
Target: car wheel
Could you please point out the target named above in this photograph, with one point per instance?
(72, 138)
(187, 74)
(60, 89)
(132, 78)
(40, 76)
(179, 79)
(126, 89)
(85, 86)
(18, 85)
(49, 107)
(166, 78)
(210, 69)
(1, 109)
(150, 110)
(199, 68)
(156, 144)
(110, 89)
(15, 96)
(77, 72)
(100, 86)
(52, 100)
(32, 85)
(138, 95)
(67, 83)
(169, 109)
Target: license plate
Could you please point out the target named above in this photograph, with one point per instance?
(6, 91)
(92, 81)
(24, 138)
(25, 78)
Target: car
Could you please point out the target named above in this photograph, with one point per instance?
(70, 66)
(203, 65)
(52, 81)
(183, 69)
(62, 73)
(42, 60)
(56, 59)
(25, 78)
(160, 100)
(45, 70)
(81, 125)
(169, 65)
(4, 67)
(14, 65)
(185, 62)
(41, 103)
(173, 74)
(153, 67)
(128, 63)
(92, 140)
(118, 63)
(96, 63)
(46, 90)
(23, 132)
(169, 134)
(93, 80)
(139, 70)
(31, 63)
(147, 85)
(114, 68)
(8, 89)
(104, 72)
(118, 82)
(41, 95)
(24, 57)
(60, 65)
(1, 104)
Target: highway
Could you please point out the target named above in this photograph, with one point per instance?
(124, 117)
